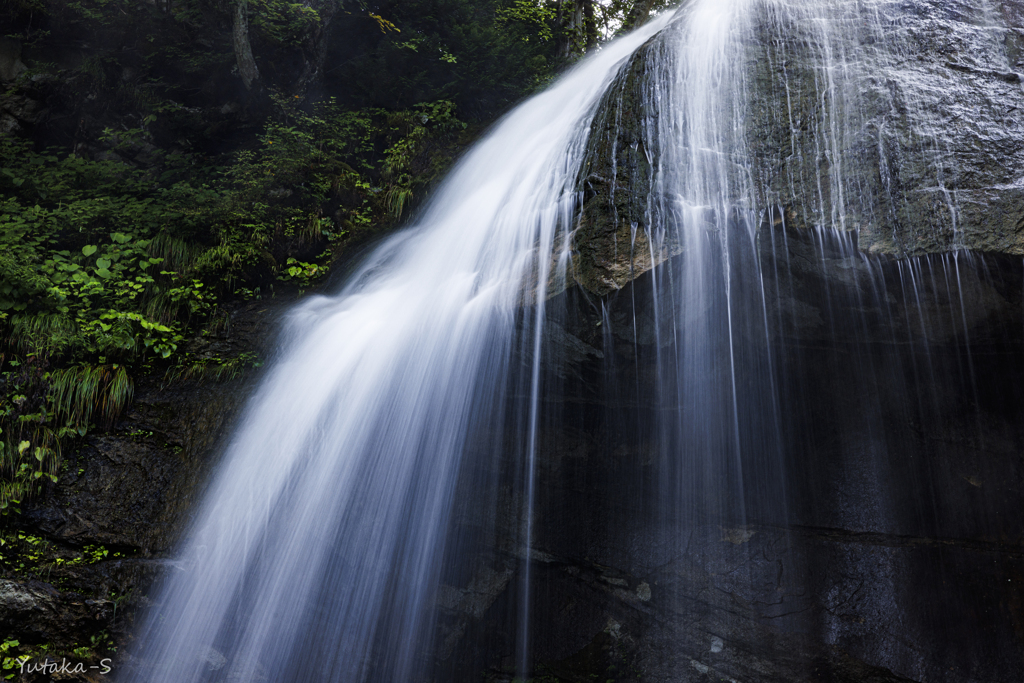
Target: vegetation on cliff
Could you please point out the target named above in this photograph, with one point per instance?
(110, 267)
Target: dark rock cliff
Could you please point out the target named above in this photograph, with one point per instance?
(879, 537)
(124, 501)
(881, 541)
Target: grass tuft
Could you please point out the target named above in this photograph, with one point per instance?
(79, 394)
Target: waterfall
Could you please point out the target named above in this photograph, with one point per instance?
(317, 552)
(791, 383)
(671, 250)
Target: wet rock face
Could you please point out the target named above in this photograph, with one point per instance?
(11, 65)
(612, 241)
(916, 145)
(880, 540)
(898, 120)
(131, 487)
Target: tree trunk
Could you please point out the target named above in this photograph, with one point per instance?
(589, 25)
(570, 25)
(243, 50)
(314, 48)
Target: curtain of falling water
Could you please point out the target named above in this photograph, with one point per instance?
(721, 70)
(714, 382)
(316, 553)
(791, 369)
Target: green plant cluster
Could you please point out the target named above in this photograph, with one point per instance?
(68, 295)
(25, 554)
(108, 269)
(368, 163)
(530, 19)
(283, 22)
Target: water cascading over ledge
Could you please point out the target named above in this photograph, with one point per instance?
(732, 440)
(808, 412)
(894, 120)
(322, 543)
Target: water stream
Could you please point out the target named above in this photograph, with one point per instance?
(317, 551)
(426, 389)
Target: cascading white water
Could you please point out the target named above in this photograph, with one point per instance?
(763, 177)
(717, 76)
(317, 551)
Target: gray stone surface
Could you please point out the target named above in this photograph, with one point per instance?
(918, 148)
(11, 65)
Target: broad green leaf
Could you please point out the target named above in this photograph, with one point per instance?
(89, 249)
(23, 446)
(120, 237)
(102, 263)
(104, 273)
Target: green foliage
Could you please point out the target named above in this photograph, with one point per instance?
(76, 276)
(29, 443)
(282, 23)
(90, 554)
(531, 20)
(371, 161)
(126, 244)
(483, 55)
(106, 270)
(11, 663)
(215, 368)
(30, 556)
(77, 392)
(303, 273)
(14, 653)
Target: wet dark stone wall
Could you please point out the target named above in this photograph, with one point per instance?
(881, 540)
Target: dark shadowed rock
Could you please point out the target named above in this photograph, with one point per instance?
(127, 494)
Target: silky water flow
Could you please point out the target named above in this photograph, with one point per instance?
(753, 335)
(317, 551)
(793, 387)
